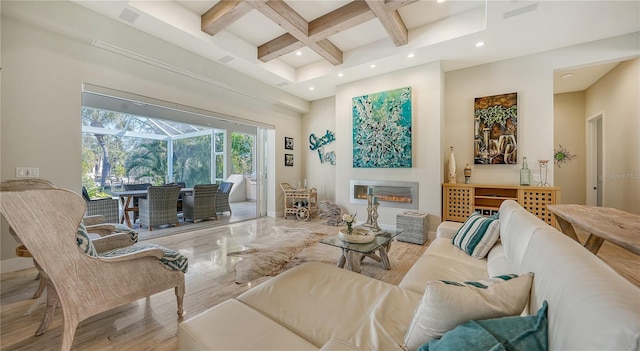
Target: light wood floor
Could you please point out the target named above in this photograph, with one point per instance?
(151, 324)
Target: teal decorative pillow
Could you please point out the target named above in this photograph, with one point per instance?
(446, 304)
(477, 235)
(506, 333)
(84, 242)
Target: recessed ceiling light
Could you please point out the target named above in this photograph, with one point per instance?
(479, 44)
(299, 53)
(441, 1)
(311, 88)
(372, 66)
(340, 74)
(566, 75)
(411, 54)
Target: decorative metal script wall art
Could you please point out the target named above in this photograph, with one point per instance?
(382, 129)
(496, 129)
(318, 143)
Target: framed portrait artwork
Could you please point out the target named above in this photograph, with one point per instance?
(288, 143)
(288, 160)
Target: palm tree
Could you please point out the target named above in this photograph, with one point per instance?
(148, 160)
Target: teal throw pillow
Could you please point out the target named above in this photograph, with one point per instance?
(477, 235)
(497, 334)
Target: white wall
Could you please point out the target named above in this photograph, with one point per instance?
(426, 82)
(533, 81)
(532, 78)
(42, 76)
(616, 97)
(569, 131)
(322, 176)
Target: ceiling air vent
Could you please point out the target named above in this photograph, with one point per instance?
(129, 15)
(520, 11)
(226, 58)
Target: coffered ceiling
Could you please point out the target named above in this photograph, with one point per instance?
(307, 47)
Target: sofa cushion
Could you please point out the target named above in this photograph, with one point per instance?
(446, 304)
(442, 260)
(497, 263)
(496, 334)
(477, 235)
(232, 325)
(592, 307)
(340, 304)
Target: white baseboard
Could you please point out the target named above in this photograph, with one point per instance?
(15, 264)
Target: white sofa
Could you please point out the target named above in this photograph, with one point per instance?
(318, 306)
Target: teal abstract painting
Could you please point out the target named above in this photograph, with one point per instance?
(382, 129)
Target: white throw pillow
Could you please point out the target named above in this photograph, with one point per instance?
(477, 235)
(446, 304)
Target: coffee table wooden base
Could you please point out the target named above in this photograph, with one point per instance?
(352, 259)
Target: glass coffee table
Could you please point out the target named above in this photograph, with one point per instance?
(353, 254)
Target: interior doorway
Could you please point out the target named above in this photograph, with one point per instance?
(595, 160)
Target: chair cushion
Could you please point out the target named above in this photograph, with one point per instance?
(506, 333)
(172, 259)
(445, 304)
(477, 235)
(84, 241)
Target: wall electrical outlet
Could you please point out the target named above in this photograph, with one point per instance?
(27, 172)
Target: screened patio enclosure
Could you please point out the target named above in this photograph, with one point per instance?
(134, 142)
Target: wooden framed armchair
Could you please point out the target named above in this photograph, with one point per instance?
(81, 282)
(201, 204)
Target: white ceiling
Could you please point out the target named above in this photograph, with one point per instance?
(445, 32)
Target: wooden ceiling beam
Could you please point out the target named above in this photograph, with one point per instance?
(279, 46)
(222, 15)
(347, 16)
(312, 34)
(393, 5)
(282, 14)
(391, 21)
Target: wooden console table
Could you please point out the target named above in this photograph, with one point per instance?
(460, 200)
(602, 223)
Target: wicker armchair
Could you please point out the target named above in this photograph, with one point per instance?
(135, 200)
(47, 222)
(201, 204)
(222, 197)
(160, 206)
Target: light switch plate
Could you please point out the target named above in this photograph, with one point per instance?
(27, 172)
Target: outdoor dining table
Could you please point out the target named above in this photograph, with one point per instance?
(126, 202)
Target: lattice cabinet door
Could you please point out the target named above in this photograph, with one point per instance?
(457, 203)
(535, 200)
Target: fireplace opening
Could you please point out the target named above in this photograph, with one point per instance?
(389, 193)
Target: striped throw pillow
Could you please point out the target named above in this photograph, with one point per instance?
(84, 241)
(477, 235)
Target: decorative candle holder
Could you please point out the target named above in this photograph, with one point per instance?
(374, 216)
(369, 222)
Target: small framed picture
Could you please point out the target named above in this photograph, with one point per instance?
(288, 160)
(288, 143)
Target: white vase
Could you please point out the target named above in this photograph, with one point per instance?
(452, 173)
